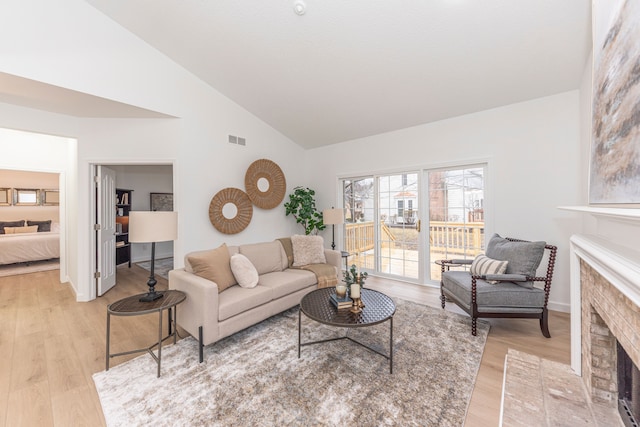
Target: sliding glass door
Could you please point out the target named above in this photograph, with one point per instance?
(382, 224)
(384, 214)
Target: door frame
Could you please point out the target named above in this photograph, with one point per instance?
(93, 206)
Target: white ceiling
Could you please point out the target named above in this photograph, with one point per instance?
(353, 68)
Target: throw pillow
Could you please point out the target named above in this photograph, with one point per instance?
(482, 265)
(524, 257)
(307, 250)
(42, 225)
(214, 265)
(244, 272)
(4, 224)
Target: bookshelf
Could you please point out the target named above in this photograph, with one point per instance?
(123, 206)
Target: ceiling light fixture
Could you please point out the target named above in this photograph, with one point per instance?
(299, 7)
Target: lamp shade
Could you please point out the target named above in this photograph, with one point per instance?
(333, 216)
(152, 226)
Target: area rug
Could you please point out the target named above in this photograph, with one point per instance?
(161, 267)
(30, 267)
(255, 378)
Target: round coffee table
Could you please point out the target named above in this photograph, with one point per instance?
(378, 308)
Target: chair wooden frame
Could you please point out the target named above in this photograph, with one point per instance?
(473, 308)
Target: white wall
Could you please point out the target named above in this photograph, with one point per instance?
(74, 46)
(533, 151)
(625, 233)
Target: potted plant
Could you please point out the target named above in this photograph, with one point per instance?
(302, 205)
(351, 276)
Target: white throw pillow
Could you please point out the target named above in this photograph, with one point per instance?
(307, 250)
(244, 272)
(483, 265)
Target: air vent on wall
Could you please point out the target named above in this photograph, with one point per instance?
(237, 140)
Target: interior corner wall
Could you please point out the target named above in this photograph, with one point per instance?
(89, 58)
(533, 149)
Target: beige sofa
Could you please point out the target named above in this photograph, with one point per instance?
(211, 316)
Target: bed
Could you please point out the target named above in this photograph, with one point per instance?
(26, 247)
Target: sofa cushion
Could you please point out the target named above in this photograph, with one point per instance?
(244, 272)
(265, 257)
(236, 300)
(307, 250)
(524, 257)
(213, 265)
(502, 294)
(285, 282)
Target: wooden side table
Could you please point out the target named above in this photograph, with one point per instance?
(131, 306)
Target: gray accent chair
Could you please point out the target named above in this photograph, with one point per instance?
(512, 294)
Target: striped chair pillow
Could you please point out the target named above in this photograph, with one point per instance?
(482, 265)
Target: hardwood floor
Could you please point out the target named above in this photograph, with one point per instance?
(51, 345)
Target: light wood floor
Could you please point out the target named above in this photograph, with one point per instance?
(51, 345)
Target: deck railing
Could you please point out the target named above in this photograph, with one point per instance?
(455, 238)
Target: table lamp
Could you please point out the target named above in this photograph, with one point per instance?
(332, 217)
(152, 227)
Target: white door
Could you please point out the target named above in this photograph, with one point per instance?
(106, 230)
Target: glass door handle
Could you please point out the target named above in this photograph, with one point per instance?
(418, 226)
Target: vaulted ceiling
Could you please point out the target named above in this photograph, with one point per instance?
(346, 69)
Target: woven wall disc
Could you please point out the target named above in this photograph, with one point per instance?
(270, 171)
(240, 200)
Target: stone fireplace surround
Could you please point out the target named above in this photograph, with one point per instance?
(605, 306)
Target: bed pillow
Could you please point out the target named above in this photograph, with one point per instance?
(307, 250)
(42, 225)
(214, 265)
(4, 224)
(20, 230)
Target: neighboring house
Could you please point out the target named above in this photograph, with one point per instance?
(536, 150)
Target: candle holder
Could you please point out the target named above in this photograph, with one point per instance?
(357, 305)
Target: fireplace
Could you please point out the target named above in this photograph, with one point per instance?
(605, 337)
(628, 388)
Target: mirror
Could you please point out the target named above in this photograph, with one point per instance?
(26, 197)
(50, 197)
(5, 196)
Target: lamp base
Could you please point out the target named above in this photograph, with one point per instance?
(150, 296)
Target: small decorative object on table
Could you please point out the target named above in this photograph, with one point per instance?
(340, 302)
(355, 282)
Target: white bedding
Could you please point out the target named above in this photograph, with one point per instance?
(29, 247)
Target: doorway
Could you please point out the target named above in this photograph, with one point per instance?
(140, 182)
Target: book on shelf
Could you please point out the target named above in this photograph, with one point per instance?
(340, 302)
(120, 244)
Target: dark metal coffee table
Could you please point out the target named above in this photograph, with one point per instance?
(378, 308)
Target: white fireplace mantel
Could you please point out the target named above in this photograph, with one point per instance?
(618, 264)
(622, 214)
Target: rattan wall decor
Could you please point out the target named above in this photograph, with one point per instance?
(267, 169)
(243, 205)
